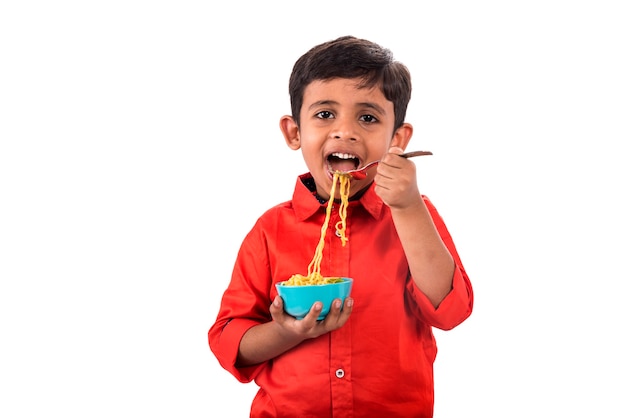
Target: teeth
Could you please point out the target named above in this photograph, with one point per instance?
(343, 156)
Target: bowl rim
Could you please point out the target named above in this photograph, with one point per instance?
(343, 280)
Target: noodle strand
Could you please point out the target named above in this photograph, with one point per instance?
(314, 275)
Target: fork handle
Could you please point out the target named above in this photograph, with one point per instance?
(415, 154)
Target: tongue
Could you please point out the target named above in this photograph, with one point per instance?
(343, 165)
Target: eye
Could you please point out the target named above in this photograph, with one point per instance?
(324, 114)
(368, 119)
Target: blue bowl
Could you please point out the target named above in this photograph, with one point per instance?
(298, 300)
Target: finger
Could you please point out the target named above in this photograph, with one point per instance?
(276, 308)
(338, 314)
(333, 312)
(311, 317)
(389, 163)
(346, 311)
(348, 305)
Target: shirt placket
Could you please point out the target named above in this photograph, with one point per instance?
(340, 363)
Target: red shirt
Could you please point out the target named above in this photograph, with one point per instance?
(380, 363)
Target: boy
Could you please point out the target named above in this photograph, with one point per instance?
(373, 356)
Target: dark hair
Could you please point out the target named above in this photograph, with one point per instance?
(353, 58)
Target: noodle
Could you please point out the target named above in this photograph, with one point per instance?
(314, 276)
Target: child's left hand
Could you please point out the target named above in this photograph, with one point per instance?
(396, 180)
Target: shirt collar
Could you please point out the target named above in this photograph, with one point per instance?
(306, 203)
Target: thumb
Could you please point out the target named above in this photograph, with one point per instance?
(276, 308)
(395, 150)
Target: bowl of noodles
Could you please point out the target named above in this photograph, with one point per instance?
(298, 297)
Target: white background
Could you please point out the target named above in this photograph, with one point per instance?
(140, 141)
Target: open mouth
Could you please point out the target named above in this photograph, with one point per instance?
(339, 161)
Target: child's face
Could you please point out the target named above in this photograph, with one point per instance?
(342, 127)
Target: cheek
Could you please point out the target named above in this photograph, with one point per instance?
(311, 141)
(310, 153)
(380, 147)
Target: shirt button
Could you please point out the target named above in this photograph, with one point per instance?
(339, 373)
(337, 233)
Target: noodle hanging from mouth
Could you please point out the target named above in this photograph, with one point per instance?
(314, 275)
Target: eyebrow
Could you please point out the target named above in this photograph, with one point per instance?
(366, 105)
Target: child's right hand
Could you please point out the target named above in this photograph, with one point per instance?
(396, 180)
(309, 326)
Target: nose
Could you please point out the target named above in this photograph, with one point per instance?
(343, 128)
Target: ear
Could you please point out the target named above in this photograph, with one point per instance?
(402, 136)
(291, 132)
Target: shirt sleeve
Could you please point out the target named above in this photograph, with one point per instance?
(457, 306)
(244, 304)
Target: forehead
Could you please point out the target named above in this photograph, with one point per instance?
(343, 91)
